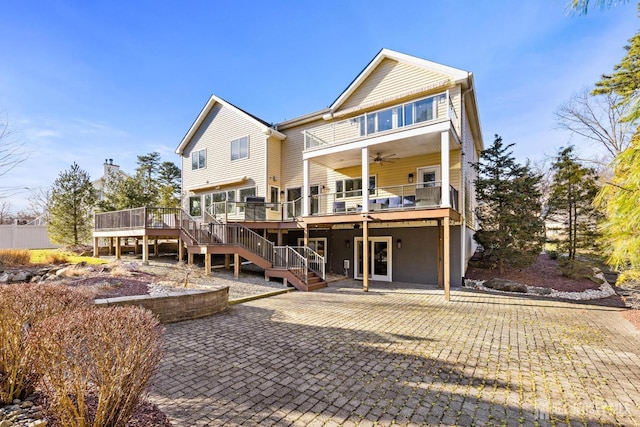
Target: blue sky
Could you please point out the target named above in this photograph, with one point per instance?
(85, 81)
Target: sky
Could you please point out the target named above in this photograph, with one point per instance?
(85, 81)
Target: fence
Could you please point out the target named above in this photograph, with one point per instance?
(16, 236)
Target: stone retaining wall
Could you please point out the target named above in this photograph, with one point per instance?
(170, 308)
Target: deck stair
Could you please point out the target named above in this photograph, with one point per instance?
(300, 266)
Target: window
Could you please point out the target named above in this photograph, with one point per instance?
(428, 176)
(214, 203)
(398, 116)
(195, 206)
(199, 159)
(240, 148)
(275, 198)
(352, 187)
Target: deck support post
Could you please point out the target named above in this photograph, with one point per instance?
(236, 265)
(118, 248)
(180, 249)
(365, 255)
(279, 241)
(446, 259)
(227, 261)
(440, 256)
(156, 248)
(207, 263)
(189, 258)
(96, 248)
(110, 246)
(145, 249)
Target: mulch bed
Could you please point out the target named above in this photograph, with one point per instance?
(106, 286)
(543, 273)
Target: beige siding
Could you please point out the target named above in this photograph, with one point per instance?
(471, 156)
(390, 80)
(221, 126)
(292, 149)
(274, 162)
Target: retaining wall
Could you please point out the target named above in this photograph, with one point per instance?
(186, 305)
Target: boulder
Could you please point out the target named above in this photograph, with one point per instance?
(21, 276)
(5, 277)
(505, 285)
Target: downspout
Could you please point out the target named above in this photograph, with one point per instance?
(463, 226)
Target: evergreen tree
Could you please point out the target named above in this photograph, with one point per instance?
(169, 179)
(154, 184)
(573, 191)
(621, 200)
(71, 207)
(511, 231)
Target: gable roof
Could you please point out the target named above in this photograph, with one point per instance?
(457, 74)
(267, 129)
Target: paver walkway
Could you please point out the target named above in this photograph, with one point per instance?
(402, 355)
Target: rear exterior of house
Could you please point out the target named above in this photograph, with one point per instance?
(388, 163)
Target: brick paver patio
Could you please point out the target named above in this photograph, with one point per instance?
(402, 355)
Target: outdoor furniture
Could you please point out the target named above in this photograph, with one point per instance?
(428, 196)
(339, 207)
(395, 202)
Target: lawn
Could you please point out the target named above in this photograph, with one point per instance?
(47, 256)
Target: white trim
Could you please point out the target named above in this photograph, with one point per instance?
(366, 142)
(421, 169)
(456, 73)
(213, 100)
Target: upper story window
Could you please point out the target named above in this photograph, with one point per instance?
(199, 159)
(398, 116)
(240, 148)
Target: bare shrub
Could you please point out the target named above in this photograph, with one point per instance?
(23, 307)
(106, 355)
(14, 257)
(56, 258)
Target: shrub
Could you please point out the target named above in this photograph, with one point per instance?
(104, 355)
(14, 257)
(56, 258)
(23, 307)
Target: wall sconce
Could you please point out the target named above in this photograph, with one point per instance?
(274, 177)
(282, 194)
(347, 244)
(410, 178)
(399, 243)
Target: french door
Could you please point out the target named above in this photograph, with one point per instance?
(379, 250)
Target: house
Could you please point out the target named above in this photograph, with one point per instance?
(109, 170)
(387, 163)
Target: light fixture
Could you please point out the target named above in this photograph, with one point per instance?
(399, 243)
(282, 193)
(274, 177)
(347, 244)
(410, 178)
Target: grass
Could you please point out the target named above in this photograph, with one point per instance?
(55, 256)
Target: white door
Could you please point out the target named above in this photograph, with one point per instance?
(429, 176)
(379, 249)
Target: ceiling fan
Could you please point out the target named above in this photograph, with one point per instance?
(380, 159)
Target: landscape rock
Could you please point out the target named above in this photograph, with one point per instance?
(21, 276)
(505, 285)
(5, 277)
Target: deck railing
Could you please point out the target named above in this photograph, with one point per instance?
(138, 218)
(253, 211)
(425, 111)
(399, 197)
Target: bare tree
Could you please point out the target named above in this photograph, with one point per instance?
(39, 200)
(6, 212)
(597, 119)
(12, 152)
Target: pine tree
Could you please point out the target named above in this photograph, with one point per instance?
(511, 231)
(71, 207)
(573, 191)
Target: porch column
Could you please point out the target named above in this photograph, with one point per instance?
(227, 261)
(236, 265)
(365, 180)
(110, 246)
(145, 249)
(444, 169)
(189, 258)
(180, 249)
(446, 259)
(156, 247)
(305, 188)
(96, 248)
(118, 248)
(306, 235)
(279, 241)
(365, 255)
